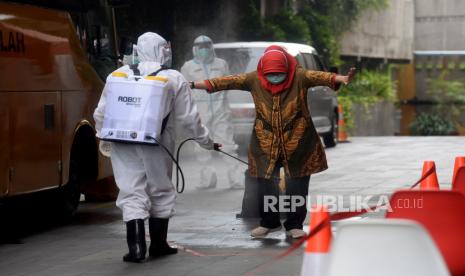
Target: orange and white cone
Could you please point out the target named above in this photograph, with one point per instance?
(459, 162)
(459, 180)
(431, 182)
(342, 136)
(317, 249)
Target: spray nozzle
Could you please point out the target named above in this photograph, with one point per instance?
(217, 146)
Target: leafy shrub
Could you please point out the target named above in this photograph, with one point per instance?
(446, 91)
(431, 124)
(367, 89)
(448, 95)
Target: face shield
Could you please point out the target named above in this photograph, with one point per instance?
(154, 48)
(167, 55)
(203, 50)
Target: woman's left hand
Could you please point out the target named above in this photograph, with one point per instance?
(346, 79)
(351, 75)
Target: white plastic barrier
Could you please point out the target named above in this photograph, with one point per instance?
(384, 248)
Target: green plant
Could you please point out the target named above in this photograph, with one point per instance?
(293, 27)
(319, 22)
(253, 26)
(367, 89)
(448, 95)
(446, 91)
(431, 124)
(328, 20)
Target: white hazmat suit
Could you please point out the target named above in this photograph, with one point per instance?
(143, 172)
(215, 112)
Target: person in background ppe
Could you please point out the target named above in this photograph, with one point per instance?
(215, 113)
(283, 134)
(143, 172)
(132, 58)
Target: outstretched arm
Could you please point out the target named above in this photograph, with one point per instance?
(236, 82)
(346, 79)
(318, 78)
(198, 85)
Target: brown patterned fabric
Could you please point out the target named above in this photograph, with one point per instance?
(283, 130)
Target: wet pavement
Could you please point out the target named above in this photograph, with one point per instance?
(211, 240)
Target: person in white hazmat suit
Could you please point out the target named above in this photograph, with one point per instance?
(215, 113)
(105, 146)
(143, 172)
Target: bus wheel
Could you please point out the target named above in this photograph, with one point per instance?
(69, 195)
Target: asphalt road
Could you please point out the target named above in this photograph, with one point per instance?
(210, 238)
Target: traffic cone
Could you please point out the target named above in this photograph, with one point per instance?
(459, 162)
(342, 136)
(459, 180)
(431, 182)
(316, 252)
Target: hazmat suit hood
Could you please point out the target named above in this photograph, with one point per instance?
(151, 47)
(203, 50)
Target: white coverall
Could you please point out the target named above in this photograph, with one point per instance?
(143, 172)
(216, 115)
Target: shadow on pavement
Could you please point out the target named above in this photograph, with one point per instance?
(32, 215)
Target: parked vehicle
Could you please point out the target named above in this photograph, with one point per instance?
(48, 92)
(243, 57)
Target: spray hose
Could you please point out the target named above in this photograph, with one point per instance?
(175, 160)
(179, 171)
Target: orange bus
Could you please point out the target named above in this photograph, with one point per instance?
(48, 92)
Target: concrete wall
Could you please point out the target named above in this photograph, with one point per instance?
(381, 119)
(439, 25)
(386, 34)
(431, 67)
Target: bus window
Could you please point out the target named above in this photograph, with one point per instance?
(102, 59)
(94, 36)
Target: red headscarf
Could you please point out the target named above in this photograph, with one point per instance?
(276, 60)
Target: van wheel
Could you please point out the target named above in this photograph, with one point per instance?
(330, 138)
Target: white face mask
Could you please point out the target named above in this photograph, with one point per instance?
(276, 78)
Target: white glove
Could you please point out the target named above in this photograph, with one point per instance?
(208, 145)
(105, 148)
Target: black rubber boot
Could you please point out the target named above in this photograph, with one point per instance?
(158, 233)
(135, 235)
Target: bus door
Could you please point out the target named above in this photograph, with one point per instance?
(35, 148)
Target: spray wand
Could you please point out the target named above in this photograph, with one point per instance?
(217, 147)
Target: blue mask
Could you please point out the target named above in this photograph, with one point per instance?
(204, 53)
(135, 59)
(135, 56)
(276, 78)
